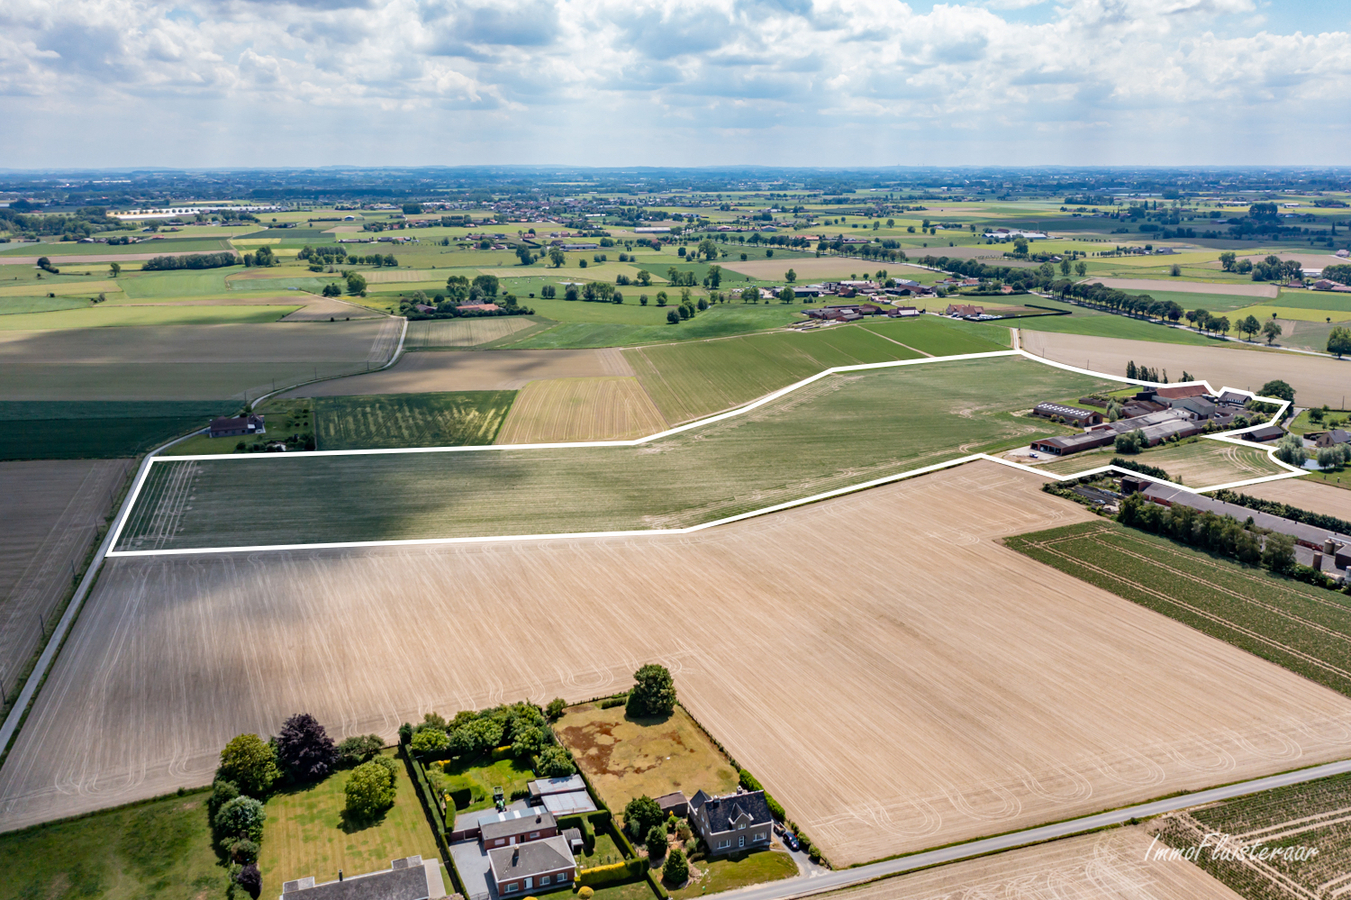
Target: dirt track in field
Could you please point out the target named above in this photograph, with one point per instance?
(1106, 866)
(930, 688)
(1316, 380)
(50, 510)
(453, 370)
(581, 409)
(1306, 494)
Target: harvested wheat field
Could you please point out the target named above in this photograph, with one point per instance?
(1186, 287)
(581, 409)
(321, 309)
(1316, 380)
(496, 370)
(1197, 464)
(1106, 866)
(1306, 494)
(891, 701)
(439, 334)
(51, 510)
(807, 269)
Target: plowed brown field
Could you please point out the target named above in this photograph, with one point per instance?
(925, 687)
(581, 409)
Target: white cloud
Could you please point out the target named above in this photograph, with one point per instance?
(625, 81)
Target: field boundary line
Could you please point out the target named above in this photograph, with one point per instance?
(1283, 406)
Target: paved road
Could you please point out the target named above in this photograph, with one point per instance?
(830, 881)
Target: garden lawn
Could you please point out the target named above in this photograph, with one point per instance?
(1292, 624)
(729, 874)
(805, 443)
(307, 834)
(471, 782)
(410, 420)
(627, 758)
(633, 890)
(161, 848)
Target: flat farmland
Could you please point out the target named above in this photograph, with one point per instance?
(1312, 815)
(182, 362)
(410, 420)
(51, 510)
(802, 444)
(498, 370)
(1316, 380)
(933, 336)
(438, 334)
(1197, 464)
(826, 268)
(581, 409)
(1306, 494)
(1305, 629)
(1151, 285)
(691, 380)
(1106, 866)
(954, 710)
(126, 315)
(97, 429)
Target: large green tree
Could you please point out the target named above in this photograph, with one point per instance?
(370, 789)
(251, 763)
(654, 694)
(1339, 341)
(1277, 388)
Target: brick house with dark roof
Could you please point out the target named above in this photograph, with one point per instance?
(233, 426)
(534, 867)
(516, 827)
(732, 822)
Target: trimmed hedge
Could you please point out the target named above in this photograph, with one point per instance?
(629, 870)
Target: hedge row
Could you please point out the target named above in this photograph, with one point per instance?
(628, 870)
(435, 817)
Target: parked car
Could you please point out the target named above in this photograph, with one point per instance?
(778, 828)
(791, 840)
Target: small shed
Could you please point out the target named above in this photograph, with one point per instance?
(674, 803)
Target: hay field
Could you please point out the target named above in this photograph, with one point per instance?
(429, 334)
(497, 370)
(1146, 285)
(182, 362)
(321, 309)
(805, 443)
(1106, 866)
(1306, 494)
(63, 289)
(581, 409)
(400, 276)
(808, 269)
(51, 510)
(1292, 314)
(888, 701)
(1316, 380)
(1196, 464)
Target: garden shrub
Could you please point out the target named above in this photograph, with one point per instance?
(370, 789)
(251, 763)
(250, 879)
(677, 870)
(656, 841)
(304, 749)
(354, 751)
(429, 740)
(612, 702)
(242, 817)
(554, 762)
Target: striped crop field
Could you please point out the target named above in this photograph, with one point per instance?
(378, 421)
(581, 409)
(1305, 629)
(435, 334)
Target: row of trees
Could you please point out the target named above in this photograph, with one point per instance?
(1219, 534)
(301, 753)
(191, 261)
(522, 727)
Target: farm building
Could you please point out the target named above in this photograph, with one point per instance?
(1265, 433)
(233, 426)
(732, 822)
(516, 826)
(412, 878)
(1074, 443)
(902, 312)
(534, 867)
(964, 310)
(1071, 414)
(561, 796)
(1327, 551)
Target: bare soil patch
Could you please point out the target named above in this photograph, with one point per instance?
(494, 370)
(1316, 380)
(1306, 494)
(944, 689)
(1187, 287)
(321, 309)
(1106, 866)
(581, 409)
(51, 510)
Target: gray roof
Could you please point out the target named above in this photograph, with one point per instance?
(563, 785)
(513, 822)
(1059, 409)
(1298, 530)
(532, 858)
(722, 812)
(408, 881)
(569, 804)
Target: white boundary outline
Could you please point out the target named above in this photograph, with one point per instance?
(1231, 437)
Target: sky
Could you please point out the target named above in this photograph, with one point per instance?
(219, 83)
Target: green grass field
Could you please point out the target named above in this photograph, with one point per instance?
(96, 430)
(10, 306)
(1303, 628)
(383, 421)
(721, 321)
(177, 283)
(1198, 462)
(158, 849)
(803, 444)
(306, 833)
(729, 874)
(942, 337)
(471, 782)
(1102, 324)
